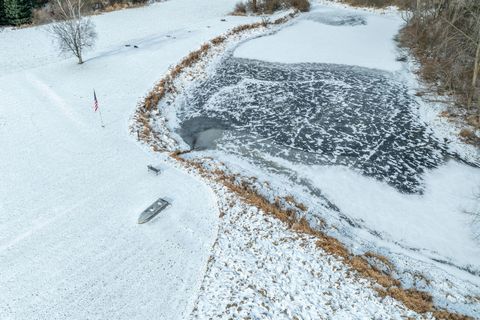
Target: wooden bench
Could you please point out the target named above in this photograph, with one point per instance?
(153, 169)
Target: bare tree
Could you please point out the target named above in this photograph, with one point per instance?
(72, 30)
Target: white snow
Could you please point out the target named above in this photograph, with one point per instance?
(71, 191)
(262, 270)
(313, 40)
(435, 221)
(430, 234)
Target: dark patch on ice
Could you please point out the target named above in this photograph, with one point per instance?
(202, 132)
(315, 114)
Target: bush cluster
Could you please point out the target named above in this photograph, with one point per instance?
(444, 36)
(269, 6)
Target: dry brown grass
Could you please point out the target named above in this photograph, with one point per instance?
(466, 133)
(269, 6)
(445, 40)
(218, 40)
(474, 121)
(166, 84)
(300, 5)
(413, 299)
(469, 136)
(120, 6)
(381, 259)
(402, 4)
(445, 315)
(245, 27)
(299, 205)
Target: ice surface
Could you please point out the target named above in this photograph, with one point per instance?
(330, 35)
(317, 114)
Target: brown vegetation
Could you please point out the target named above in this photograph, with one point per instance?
(43, 11)
(402, 4)
(269, 6)
(218, 40)
(240, 9)
(445, 37)
(418, 301)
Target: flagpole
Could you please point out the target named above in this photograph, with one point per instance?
(101, 118)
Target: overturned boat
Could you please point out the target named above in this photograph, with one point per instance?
(154, 209)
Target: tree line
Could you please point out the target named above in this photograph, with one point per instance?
(21, 12)
(444, 36)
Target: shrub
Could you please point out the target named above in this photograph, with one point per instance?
(301, 5)
(402, 4)
(445, 39)
(42, 16)
(240, 9)
(269, 6)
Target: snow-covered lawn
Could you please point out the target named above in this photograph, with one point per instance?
(71, 191)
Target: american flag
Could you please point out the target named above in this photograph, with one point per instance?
(95, 102)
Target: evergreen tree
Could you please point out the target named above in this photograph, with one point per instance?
(18, 12)
(3, 19)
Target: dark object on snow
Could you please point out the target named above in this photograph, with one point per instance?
(153, 169)
(128, 45)
(223, 20)
(135, 47)
(149, 213)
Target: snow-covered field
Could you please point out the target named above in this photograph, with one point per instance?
(71, 191)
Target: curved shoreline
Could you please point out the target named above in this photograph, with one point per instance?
(146, 127)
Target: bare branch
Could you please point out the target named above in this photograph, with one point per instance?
(73, 32)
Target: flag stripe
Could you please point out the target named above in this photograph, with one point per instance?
(95, 102)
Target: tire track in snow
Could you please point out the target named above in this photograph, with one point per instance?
(50, 95)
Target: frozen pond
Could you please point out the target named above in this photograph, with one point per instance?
(324, 105)
(324, 110)
(322, 114)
